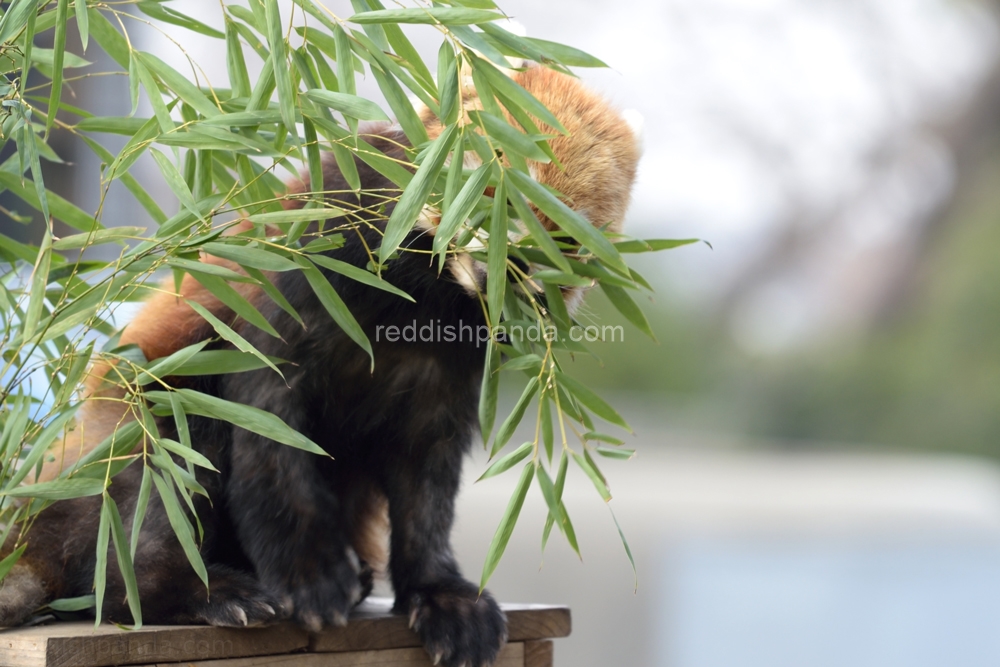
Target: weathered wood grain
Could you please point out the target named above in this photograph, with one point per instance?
(83, 645)
(511, 656)
(539, 653)
(372, 628)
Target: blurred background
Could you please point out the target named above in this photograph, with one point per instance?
(818, 423)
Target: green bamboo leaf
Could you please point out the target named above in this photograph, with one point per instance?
(101, 566)
(567, 55)
(276, 40)
(489, 391)
(219, 362)
(594, 475)
(110, 40)
(567, 219)
(245, 416)
(620, 454)
(61, 489)
(345, 63)
(29, 145)
(15, 18)
(244, 118)
(448, 84)
(83, 22)
(141, 503)
(335, 306)
(165, 366)
(121, 442)
(204, 268)
(163, 13)
(538, 233)
(496, 271)
(444, 15)
(10, 560)
(349, 105)
(529, 361)
(239, 79)
(181, 526)
(124, 561)
(514, 418)
(561, 278)
(652, 245)
(548, 438)
(603, 437)
(228, 334)
(513, 91)
(39, 279)
(82, 603)
(179, 85)
(186, 453)
(591, 401)
(621, 300)
(509, 461)
(557, 510)
(229, 296)
(358, 274)
(295, 215)
(244, 255)
(458, 211)
(176, 181)
(274, 293)
(628, 551)
(405, 213)
(58, 51)
(401, 106)
(506, 527)
(117, 235)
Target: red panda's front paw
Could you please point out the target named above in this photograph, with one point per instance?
(457, 626)
(237, 600)
(324, 591)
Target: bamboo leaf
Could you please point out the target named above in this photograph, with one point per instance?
(567, 219)
(62, 489)
(405, 213)
(360, 275)
(506, 527)
(514, 418)
(489, 391)
(594, 475)
(228, 334)
(244, 416)
(101, 566)
(621, 300)
(276, 40)
(83, 22)
(458, 211)
(58, 51)
(590, 400)
(124, 561)
(229, 296)
(10, 560)
(507, 462)
(181, 526)
(444, 15)
(496, 272)
(349, 105)
(139, 513)
(266, 260)
(335, 306)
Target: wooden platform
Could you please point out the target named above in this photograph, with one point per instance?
(373, 638)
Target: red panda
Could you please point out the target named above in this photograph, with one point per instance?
(288, 534)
